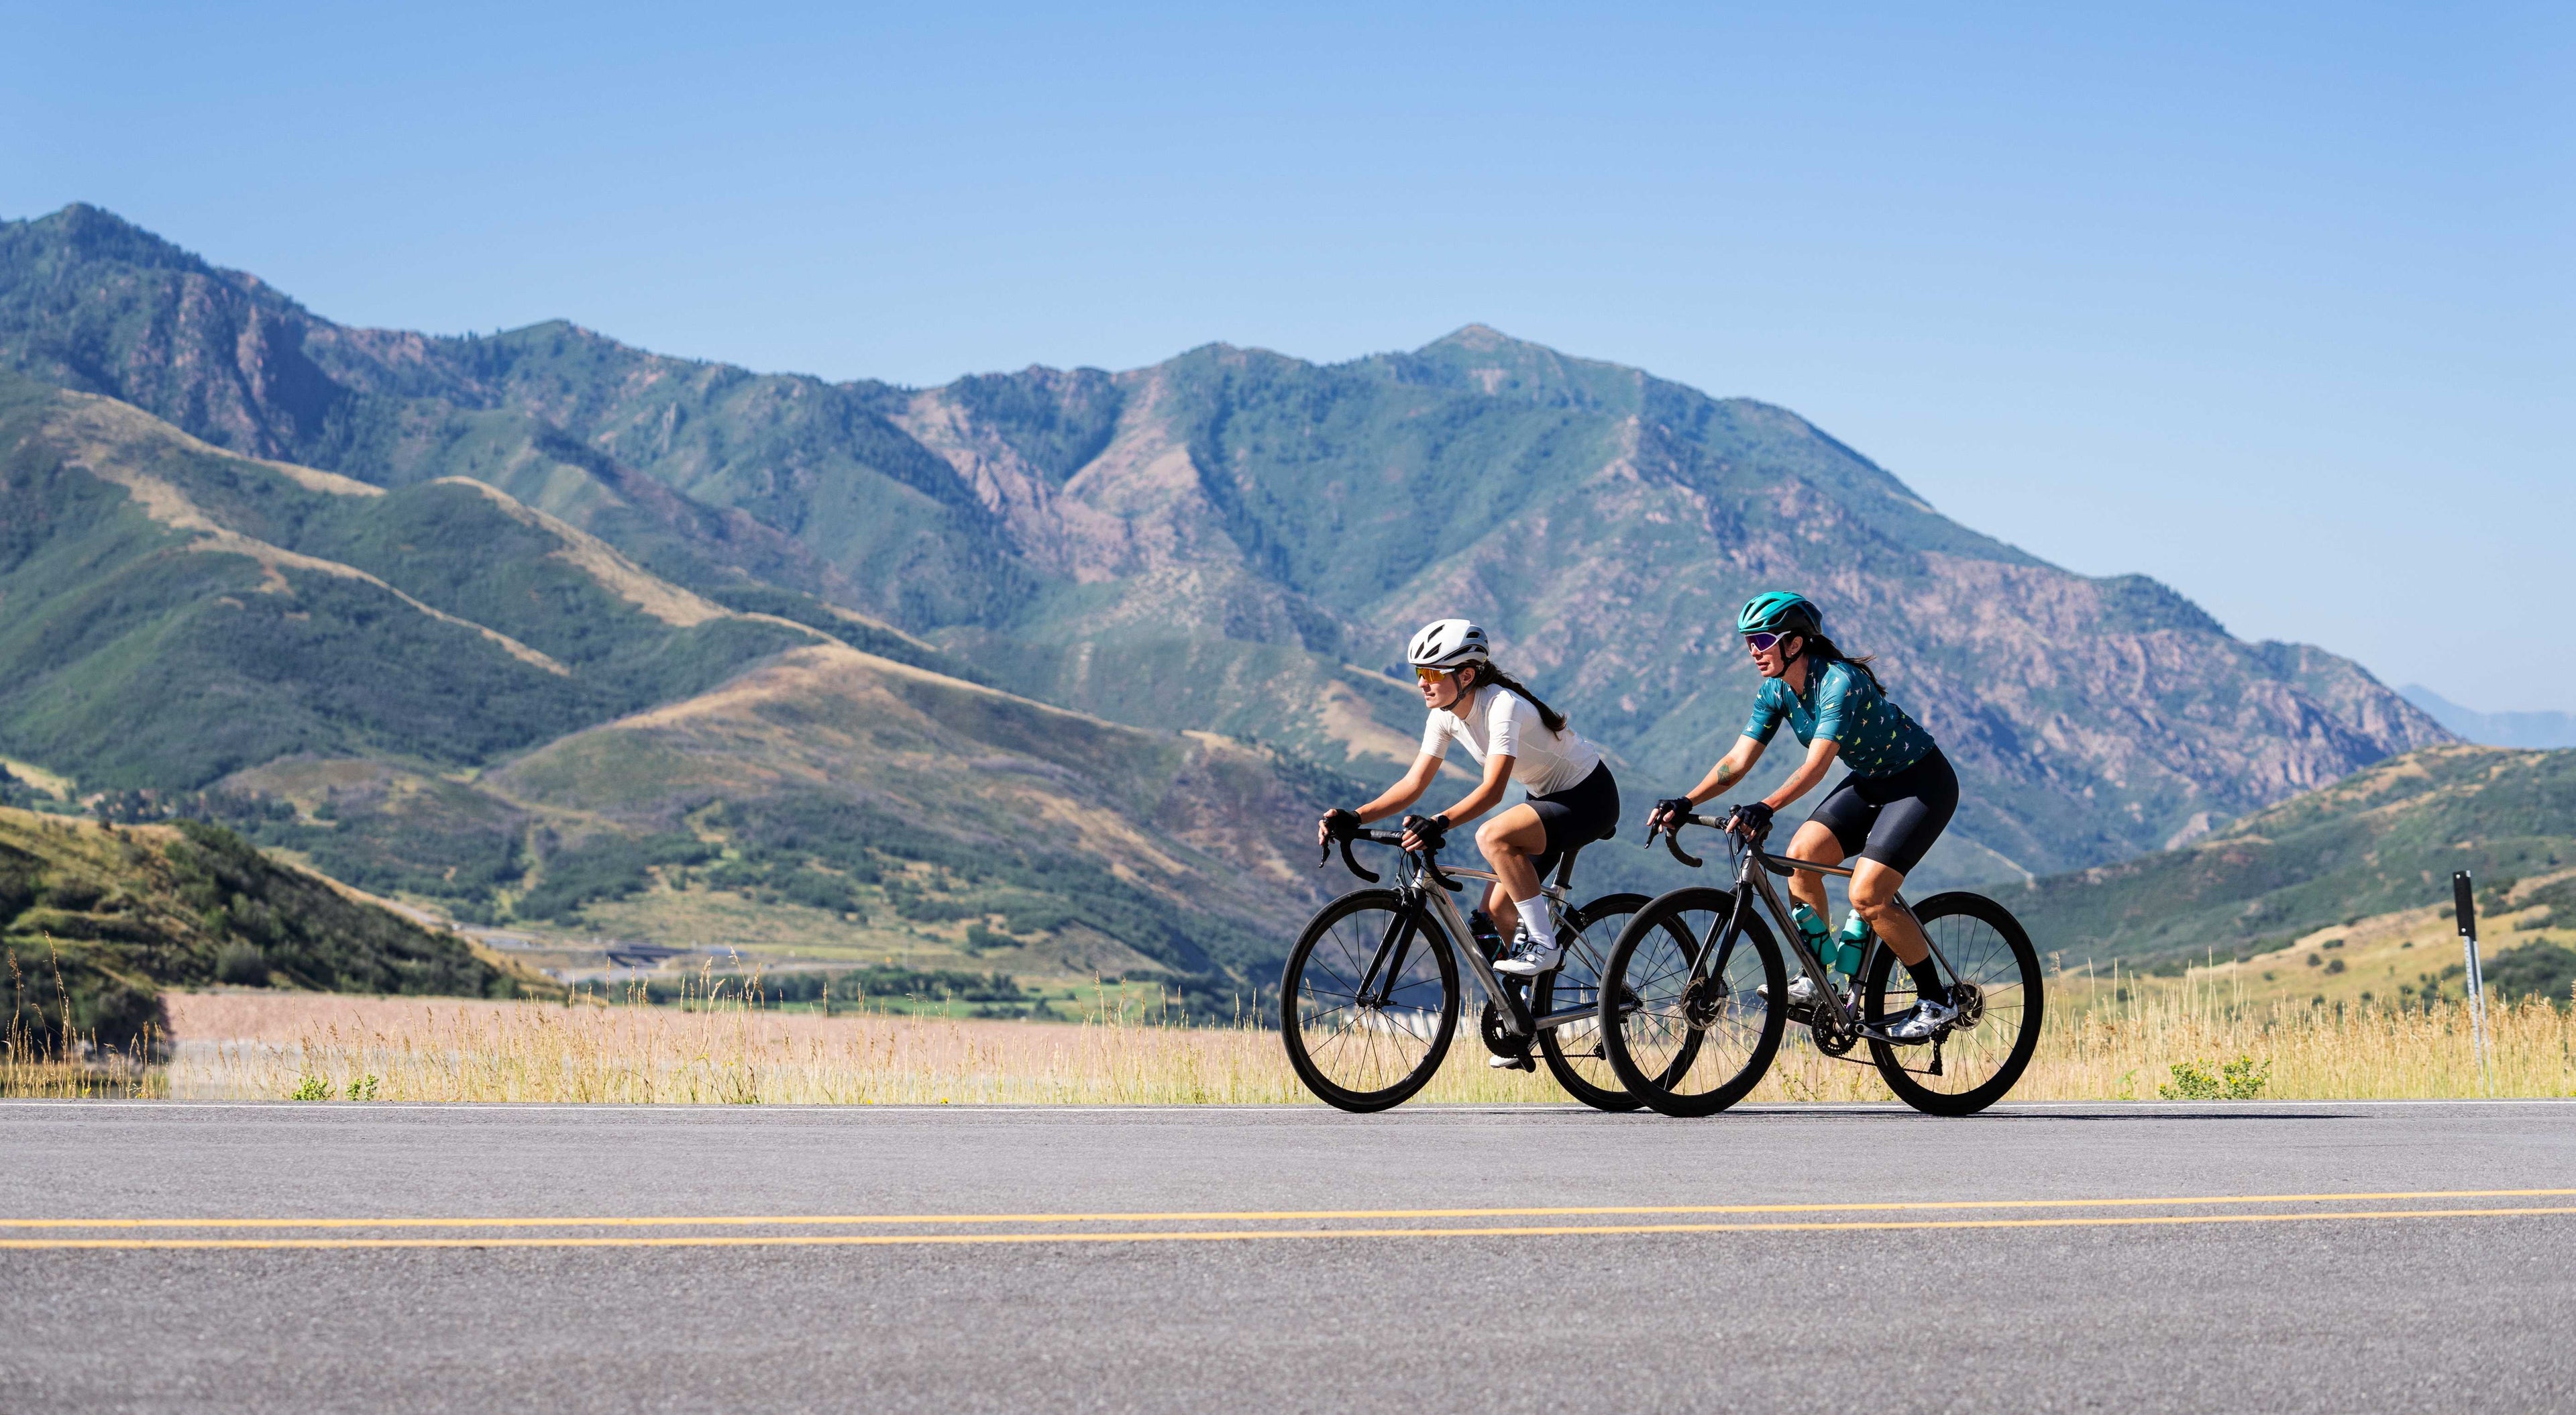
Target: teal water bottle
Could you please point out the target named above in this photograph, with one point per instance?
(1849, 946)
(1811, 928)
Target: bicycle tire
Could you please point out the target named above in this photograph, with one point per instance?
(1653, 1045)
(1987, 946)
(1318, 994)
(1579, 978)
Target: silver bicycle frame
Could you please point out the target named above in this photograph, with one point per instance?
(1756, 868)
(1454, 923)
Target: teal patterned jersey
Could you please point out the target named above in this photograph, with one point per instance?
(1842, 705)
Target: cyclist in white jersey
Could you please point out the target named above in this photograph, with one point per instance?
(1572, 797)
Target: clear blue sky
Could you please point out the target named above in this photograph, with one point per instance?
(2277, 306)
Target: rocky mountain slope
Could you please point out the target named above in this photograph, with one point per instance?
(440, 692)
(1236, 541)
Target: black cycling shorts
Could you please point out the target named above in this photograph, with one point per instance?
(1892, 819)
(1576, 816)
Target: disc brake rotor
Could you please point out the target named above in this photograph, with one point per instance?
(1703, 1001)
(1971, 1002)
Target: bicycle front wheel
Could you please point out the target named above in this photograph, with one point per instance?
(1995, 980)
(1574, 1053)
(1367, 1052)
(1690, 1048)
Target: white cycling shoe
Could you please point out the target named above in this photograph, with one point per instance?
(1802, 991)
(1531, 960)
(1920, 1024)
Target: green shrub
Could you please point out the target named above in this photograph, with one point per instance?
(605, 867)
(2240, 1080)
(61, 995)
(2533, 970)
(241, 964)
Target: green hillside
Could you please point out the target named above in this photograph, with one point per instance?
(178, 613)
(1235, 540)
(2382, 841)
(837, 806)
(101, 919)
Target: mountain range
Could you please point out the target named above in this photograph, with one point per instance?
(2495, 729)
(247, 548)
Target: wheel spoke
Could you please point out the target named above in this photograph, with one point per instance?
(1981, 1058)
(1693, 1041)
(1352, 1049)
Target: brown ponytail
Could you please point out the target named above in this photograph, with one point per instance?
(1824, 651)
(1488, 673)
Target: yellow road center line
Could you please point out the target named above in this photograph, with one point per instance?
(1271, 1215)
(878, 1240)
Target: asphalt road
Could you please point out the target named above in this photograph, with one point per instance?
(2289, 1257)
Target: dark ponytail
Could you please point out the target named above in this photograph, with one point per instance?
(1488, 673)
(1823, 650)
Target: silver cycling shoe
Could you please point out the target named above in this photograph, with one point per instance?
(1802, 991)
(1531, 961)
(1926, 1019)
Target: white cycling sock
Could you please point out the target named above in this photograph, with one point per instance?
(1536, 923)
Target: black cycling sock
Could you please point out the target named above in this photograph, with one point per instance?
(1927, 981)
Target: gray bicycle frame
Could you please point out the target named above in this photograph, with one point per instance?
(1412, 879)
(1754, 869)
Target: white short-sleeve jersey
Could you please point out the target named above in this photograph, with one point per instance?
(1503, 722)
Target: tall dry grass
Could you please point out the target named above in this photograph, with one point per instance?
(733, 1052)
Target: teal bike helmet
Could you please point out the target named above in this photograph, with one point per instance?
(1780, 612)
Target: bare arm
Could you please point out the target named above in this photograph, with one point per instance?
(1487, 795)
(1730, 769)
(1403, 793)
(1394, 798)
(1498, 775)
(1820, 759)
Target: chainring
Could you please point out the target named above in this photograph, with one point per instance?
(1833, 1033)
(1498, 1041)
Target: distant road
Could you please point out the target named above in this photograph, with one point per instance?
(2287, 1257)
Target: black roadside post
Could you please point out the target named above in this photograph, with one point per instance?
(2464, 901)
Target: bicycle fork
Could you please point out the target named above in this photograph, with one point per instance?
(1378, 984)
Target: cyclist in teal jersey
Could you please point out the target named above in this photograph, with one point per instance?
(1900, 794)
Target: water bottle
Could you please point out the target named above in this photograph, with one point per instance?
(1811, 928)
(1853, 940)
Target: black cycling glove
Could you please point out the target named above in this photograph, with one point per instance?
(1340, 824)
(1753, 819)
(1432, 831)
(1670, 810)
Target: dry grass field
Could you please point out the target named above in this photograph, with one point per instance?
(281, 1045)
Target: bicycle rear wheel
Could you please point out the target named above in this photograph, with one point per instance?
(1368, 1055)
(1997, 985)
(1690, 1049)
(1575, 1056)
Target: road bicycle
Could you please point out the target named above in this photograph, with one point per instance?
(1694, 1006)
(1369, 1000)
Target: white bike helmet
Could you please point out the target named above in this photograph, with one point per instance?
(1448, 644)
